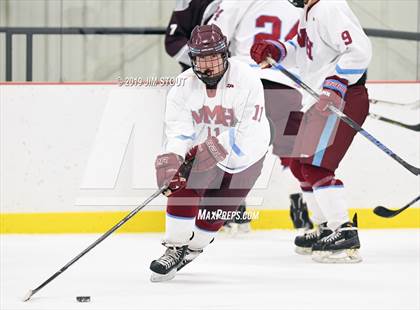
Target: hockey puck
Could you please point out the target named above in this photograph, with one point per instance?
(83, 298)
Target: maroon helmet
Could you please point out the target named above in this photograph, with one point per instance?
(208, 40)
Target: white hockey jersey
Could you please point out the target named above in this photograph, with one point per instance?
(236, 115)
(330, 42)
(245, 21)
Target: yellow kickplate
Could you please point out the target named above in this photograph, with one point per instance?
(154, 221)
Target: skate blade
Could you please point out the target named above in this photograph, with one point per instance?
(303, 251)
(157, 277)
(350, 256)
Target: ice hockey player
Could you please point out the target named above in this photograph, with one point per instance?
(186, 15)
(245, 22)
(332, 53)
(217, 119)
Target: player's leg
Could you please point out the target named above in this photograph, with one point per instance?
(224, 200)
(283, 105)
(181, 212)
(298, 207)
(343, 244)
(182, 208)
(305, 241)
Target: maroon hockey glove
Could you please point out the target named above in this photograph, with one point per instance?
(167, 172)
(333, 93)
(207, 154)
(260, 50)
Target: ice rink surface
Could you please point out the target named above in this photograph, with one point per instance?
(258, 270)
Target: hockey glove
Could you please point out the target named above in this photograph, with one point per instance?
(333, 92)
(168, 172)
(260, 50)
(207, 154)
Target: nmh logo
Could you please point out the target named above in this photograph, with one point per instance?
(217, 116)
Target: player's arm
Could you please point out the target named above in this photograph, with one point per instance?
(228, 16)
(344, 34)
(178, 31)
(291, 47)
(179, 137)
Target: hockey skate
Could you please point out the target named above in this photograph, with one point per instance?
(342, 246)
(305, 242)
(165, 267)
(190, 255)
(299, 213)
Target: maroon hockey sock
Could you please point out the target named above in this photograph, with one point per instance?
(318, 176)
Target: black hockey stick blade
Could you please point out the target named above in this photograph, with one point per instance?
(414, 127)
(385, 212)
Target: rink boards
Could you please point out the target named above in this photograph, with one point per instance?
(77, 157)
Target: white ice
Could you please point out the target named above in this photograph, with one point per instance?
(258, 270)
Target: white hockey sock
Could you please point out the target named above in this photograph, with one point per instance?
(178, 229)
(201, 238)
(332, 203)
(317, 216)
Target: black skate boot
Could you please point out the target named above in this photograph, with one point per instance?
(189, 257)
(305, 242)
(165, 267)
(299, 212)
(342, 246)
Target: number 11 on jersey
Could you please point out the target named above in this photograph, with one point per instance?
(213, 132)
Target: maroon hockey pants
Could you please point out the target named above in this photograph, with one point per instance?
(213, 191)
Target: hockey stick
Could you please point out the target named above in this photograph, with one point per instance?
(412, 105)
(99, 240)
(391, 121)
(385, 212)
(345, 118)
